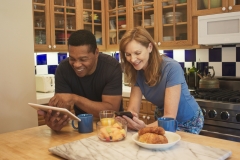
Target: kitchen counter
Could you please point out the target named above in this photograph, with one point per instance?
(43, 98)
(33, 143)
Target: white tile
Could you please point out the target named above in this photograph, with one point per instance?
(202, 55)
(179, 55)
(217, 68)
(161, 51)
(52, 58)
(238, 69)
(41, 69)
(229, 54)
(188, 65)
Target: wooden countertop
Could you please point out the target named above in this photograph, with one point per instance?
(33, 143)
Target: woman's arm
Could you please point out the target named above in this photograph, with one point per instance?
(171, 101)
(135, 100)
(134, 107)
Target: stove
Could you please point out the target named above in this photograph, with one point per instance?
(221, 109)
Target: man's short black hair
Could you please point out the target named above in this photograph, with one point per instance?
(83, 37)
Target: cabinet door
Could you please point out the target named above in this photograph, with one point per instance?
(116, 22)
(151, 108)
(63, 22)
(41, 25)
(143, 117)
(233, 5)
(143, 14)
(175, 24)
(206, 7)
(125, 101)
(93, 18)
(150, 119)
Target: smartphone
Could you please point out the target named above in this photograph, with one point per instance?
(128, 114)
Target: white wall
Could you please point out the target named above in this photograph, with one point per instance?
(17, 73)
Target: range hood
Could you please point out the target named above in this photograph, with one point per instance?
(218, 29)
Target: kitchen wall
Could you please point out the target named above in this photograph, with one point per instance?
(224, 59)
(17, 86)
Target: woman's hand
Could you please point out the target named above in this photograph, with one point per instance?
(135, 123)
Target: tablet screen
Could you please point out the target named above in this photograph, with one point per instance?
(61, 110)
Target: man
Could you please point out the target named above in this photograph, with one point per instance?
(88, 80)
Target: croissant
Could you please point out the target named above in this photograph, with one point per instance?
(156, 130)
(153, 138)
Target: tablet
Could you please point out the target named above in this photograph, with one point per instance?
(61, 110)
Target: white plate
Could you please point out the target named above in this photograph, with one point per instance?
(173, 138)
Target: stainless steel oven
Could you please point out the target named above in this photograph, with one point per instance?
(221, 109)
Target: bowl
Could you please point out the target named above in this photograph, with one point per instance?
(213, 3)
(171, 14)
(145, 6)
(171, 19)
(168, 38)
(117, 131)
(147, 22)
(123, 25)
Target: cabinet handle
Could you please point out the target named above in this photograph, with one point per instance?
(54, 46)
(159, 43)
(143, 117)
(148, 117)
(49, 46)
(230, 8)
(223, 8)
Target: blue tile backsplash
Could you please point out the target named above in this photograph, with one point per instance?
(225, 60)
(52, 69)
(215, 55)
(61, 56)
(190, 55)
(169, 53)
(238, 54)
(41, 59)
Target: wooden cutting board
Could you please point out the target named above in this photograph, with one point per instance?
(92, 148)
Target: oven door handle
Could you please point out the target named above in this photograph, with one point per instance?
(220, 135)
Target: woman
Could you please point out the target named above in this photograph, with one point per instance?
(160, 79)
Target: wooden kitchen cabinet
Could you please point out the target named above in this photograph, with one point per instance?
(93, 19)
(175, 23)
(142, 14)
(174, 31)
(207, 7)
(117, 21)
(55, 20)
(146, 112)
